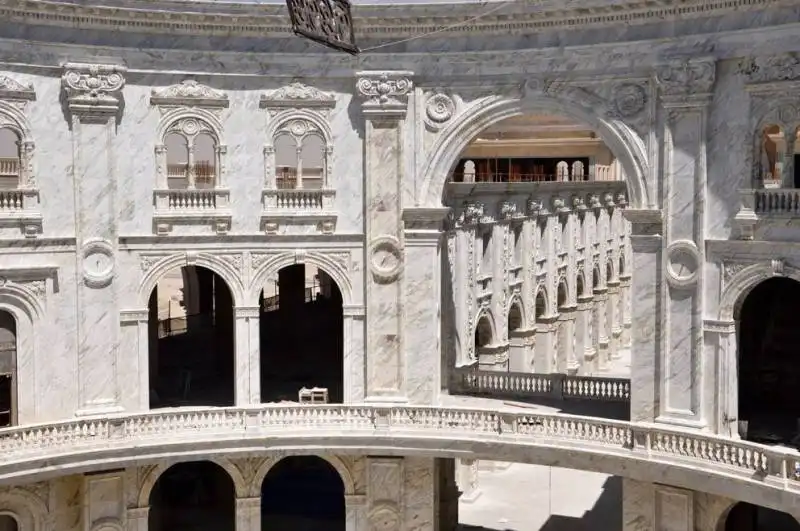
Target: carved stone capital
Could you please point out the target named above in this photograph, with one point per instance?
(93, 90)
(686, 79)
(385, 93)
(425, 219)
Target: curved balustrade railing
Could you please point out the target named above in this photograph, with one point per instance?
(530, 385)
(80, 444)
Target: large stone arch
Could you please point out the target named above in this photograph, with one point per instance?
(27, 311)
(320, 260)
(743, 282)
(340, 466)
(151, 478)
(172, 116)
(226, 271)
(620, 139)
(26, 508)
(282, 118)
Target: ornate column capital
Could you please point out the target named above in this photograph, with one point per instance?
(385, 92)
(686, 81)
(93, 90)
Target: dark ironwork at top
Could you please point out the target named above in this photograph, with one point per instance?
(328, 22)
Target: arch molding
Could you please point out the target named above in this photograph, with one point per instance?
(320, 260)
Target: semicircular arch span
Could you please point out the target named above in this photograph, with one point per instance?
(341, 468)
(321, 261)
(623, 142)
(154, 474)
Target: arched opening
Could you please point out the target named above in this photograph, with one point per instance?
(10, 166)
(747, 517)
(8, 369)
(483, 333)
(286, 161)
(303, 493)
(773, 155)
(191, 330)
(556, 189)
(312, 157)
(205, 161)
(302, 344)
(579, 286)
(193, 496)
(191, 155)
(8, 523)
(516, 346)
(769, 372)
(541, 305)
(177, 147)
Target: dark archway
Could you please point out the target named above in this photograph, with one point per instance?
(747, 517)
(191, 340)
(8, 523)
(193, 496)
(302, 343)
(769, 372)
(8, 369)
(303, 493)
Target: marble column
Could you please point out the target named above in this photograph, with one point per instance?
(645, 311)
(353, 375)
(248, 514)
(647, 506)
(614, 323)
(724, 409)
(601, 331)
(94, 104)
(467, 479)
(385, 97)
(567, 363)
(134, 359)
(247, 355)
(625, 312)
(355, 513)
(685, 94)
(137, 519)
(447, 495)
(584, 348)
(103, 500)
(422, 327)
(546, 343)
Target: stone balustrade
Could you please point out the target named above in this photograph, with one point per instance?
(530, 385)
(34, 451)
(777, 202)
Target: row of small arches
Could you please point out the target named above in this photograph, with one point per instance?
(484, 330)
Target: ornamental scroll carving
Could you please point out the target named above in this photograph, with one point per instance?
(189, 93)
(93, 90)
(297, 95)
(384, 92)
(684, 78)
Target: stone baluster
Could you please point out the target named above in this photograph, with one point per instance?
(93, 96)
(685, 94)
(385, 106)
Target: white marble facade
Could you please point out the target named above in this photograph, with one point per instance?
(90, 222)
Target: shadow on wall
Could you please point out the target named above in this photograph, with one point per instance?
(586, 408)
(605, 514)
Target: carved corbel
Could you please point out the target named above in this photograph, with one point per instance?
(94, 91)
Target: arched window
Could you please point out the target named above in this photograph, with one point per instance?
(514, 318)
(301, 156)
(562, 294)
(579, 287)
(578, 171)
(192, 155)
(622, 265)
(541, 305)
(483, 333)
(10, 159)
(8, 369)
(562, 171)
(609, 271)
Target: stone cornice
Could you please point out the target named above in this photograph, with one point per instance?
(370, 21)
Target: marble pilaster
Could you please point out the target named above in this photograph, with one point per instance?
(134, 358)
(137, 519)
(614, 326)
(385, 106)
(248, 514)
(354, 371)
(583, 339)
(385, 481)
(625, 312)
(422, 327)
(567, 363)
(247, 356)
(720, 336)
(647, 506)
(103, 499)
(601, 331)
(646, 323)
(355, 512)
(546, 342)
(685, 94)
(94, 102)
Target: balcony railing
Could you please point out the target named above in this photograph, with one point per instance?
(531, 385)
(27, 452)
(777, 201)
(9, 167)
(460, 177)
(204, 173)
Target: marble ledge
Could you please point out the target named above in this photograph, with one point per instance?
(236, 241)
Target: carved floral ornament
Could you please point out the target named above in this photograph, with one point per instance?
(439, 109)
(784, 67)
(385, 91)
(686, 78)
(93, 90)
(191, 93)
(11, 89)
(297, 95)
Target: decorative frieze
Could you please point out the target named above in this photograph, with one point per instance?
(93, 90)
